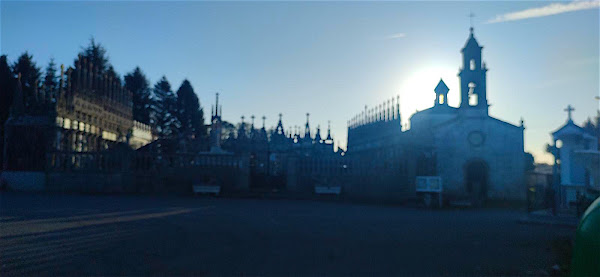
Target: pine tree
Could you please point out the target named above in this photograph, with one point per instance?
(138, 84)
(51, 79)
(7, 82)
(165, 109)
(190, 113)
(30, 77)
(96, 54)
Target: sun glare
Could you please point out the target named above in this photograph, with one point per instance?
(416, 90)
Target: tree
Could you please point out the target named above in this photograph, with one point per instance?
(190, 113)
(30, 77)
(165, 109)
(7, 82)
(529, 162)
(51, 79)
(96, 54)
(138, 84)
(227, 130)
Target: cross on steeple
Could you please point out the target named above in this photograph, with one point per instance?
(471, 15)
(569, 110)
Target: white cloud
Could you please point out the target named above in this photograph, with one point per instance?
(552, 9)
(396, 36)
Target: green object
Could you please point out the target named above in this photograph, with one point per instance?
(586, 255)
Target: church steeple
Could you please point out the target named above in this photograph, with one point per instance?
(215, 128)
(473, 76)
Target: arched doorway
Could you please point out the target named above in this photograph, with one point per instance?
(476, 181)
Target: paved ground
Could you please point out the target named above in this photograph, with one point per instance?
(134, 235)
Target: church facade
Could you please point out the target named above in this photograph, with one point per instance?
(576, 156)
(477, 156)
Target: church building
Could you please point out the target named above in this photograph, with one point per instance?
(477, 156)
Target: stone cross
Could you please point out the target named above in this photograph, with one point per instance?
(569, 110)
(471, 15)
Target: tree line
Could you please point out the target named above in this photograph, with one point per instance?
(170, 113)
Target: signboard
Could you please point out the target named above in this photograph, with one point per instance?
(206, 189)
(328, 190)
(429, 184)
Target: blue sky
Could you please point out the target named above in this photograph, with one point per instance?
(333, 58)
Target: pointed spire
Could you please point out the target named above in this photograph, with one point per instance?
(471, 41)
(242, 129)
(441, 93)
(398, 108)
(441, 87)
(217, 100)
(263, 122)
(279, 129)
(217, 112)
(307, 127)
(318, 135)
(329, 131)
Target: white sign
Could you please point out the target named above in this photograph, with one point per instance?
(429, 184)
(207, 189)
(328, 190)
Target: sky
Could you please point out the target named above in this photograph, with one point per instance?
(330, 59)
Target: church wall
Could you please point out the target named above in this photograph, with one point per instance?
(573, 173)
(427, 119)
(501, 150)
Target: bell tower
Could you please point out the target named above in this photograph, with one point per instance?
(472, 74)
(441, 94)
